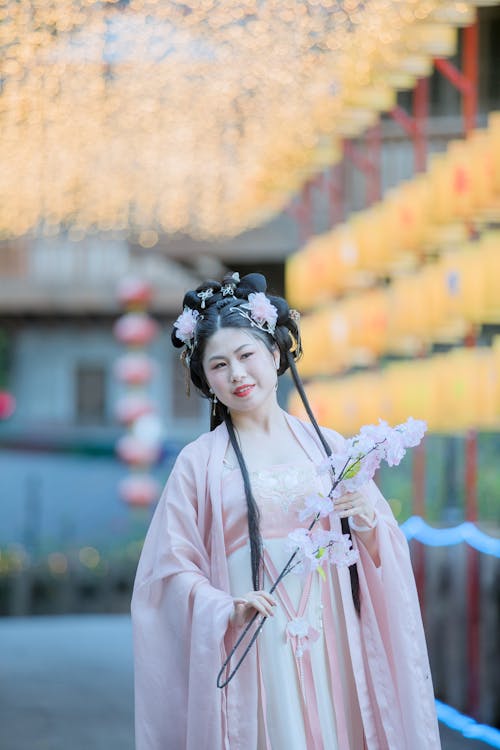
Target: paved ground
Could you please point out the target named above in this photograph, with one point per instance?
(66, 684)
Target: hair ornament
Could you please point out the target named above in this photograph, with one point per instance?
(186, 325)
(204, 295)
(230, 284)
(261, 312)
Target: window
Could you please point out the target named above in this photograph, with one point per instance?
(90, 394)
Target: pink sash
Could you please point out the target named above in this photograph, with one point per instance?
(299, 633)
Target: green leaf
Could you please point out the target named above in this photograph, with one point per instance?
(320, 553)
(321, 572)
(352, 470)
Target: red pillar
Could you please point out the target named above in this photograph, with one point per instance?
(420, 115)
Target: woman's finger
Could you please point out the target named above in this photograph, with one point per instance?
(264, 594)
(350, 504)
(267, 596)
(262, 606)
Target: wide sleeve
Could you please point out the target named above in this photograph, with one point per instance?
(395, 650)
(179, 620)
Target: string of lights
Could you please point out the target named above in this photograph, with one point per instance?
(416, 528)
(147, 117)
(468, 727)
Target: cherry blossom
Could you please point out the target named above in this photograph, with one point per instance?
(351, 466)
(316, 504)
(262, 310)
(186, 324)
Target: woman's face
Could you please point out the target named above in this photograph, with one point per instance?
(240, 369)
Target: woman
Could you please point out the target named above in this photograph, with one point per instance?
(340, 663)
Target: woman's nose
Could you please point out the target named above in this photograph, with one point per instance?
(237, 371)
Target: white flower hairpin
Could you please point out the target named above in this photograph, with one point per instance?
(228, 288)
(204, 295)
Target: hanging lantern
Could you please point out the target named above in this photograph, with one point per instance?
(135, 329)
(7, 405)
(137, 453)
(481, 162)
(139, 490)
(459, 14)
(378, 97)
(460, 177)
(437, 40)
(135, 368)
(352, 121)
(490, 260)
(141, 447)
(416, 65)
(440, 181)
(133, 406)
(487, 379)
(134, 293)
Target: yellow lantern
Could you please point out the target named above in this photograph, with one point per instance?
(321, 269)
(401, 81)
(487, 377)
(460, 396)
(379, 97)
(489, 247)
(495, 353)
(460, 177)
(315, 358)
(480, 147)
(409, 315)
(437, 40)
(458, 14)
(352, 121)
(298, 281)
(368, 314)
(439, 182)
(417, 65)
(462, 280)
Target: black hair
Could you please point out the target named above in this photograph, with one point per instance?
(220, 305)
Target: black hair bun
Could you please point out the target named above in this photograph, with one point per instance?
(203, 296)
(252, 282)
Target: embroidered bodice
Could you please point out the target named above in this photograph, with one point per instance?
(279, 491)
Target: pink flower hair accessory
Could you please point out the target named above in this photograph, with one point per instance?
(261, 312)
(186, 326)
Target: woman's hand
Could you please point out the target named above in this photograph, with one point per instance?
(246, 606)
(355, 504)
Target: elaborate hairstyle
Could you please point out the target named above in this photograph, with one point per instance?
(245, 303)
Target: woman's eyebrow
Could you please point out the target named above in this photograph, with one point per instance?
(221, 356)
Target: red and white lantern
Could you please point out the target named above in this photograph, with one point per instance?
(140, 447)
(139, 490)
(135, 329)
(135, 368)
(7, 405)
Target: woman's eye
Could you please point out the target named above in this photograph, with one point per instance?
(219, 365)
(246, 355)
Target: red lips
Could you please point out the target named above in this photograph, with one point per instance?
(243, 390)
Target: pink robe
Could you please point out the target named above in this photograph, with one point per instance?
(181, 607)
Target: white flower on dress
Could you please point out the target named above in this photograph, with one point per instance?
(298, 627)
